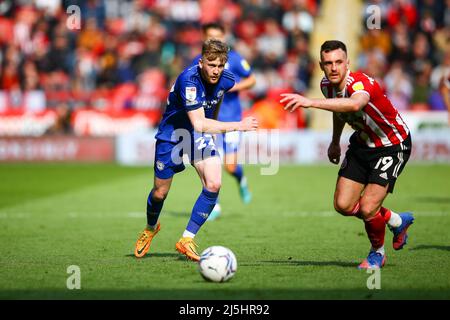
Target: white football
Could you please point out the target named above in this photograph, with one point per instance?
(217, 264)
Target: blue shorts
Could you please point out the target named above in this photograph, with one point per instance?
(169, 155)
(229, 142)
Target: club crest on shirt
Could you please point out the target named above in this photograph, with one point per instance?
(191, 93)
(220, 93)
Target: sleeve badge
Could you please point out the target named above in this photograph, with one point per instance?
(245, 65)
(191, 93)
(358, 86)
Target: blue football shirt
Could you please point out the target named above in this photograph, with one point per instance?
(191, 92)
(231, 109)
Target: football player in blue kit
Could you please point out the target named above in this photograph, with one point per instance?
(186, 127)
(231, 110)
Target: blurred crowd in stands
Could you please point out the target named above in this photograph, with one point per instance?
(410, 54)
(127, 54)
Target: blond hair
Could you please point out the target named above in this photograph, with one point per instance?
(213, 49)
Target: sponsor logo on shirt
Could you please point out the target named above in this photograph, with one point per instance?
(209, 104)
(191, 103)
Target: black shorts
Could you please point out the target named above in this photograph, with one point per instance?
(375, 165)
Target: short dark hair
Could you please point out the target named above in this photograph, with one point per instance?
(212, 25)
(213, 49)
(331, 45)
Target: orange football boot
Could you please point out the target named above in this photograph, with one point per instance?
(188, 247)
(143, 243)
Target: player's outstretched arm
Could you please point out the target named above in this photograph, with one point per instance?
(203, 124)
(355, 103)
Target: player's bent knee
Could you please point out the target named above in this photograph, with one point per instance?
(213, 186)
(160, 194)
(344, 208)
(230, 167)
(368, 210)
(344, 212)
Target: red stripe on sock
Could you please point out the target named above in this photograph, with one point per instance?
(354, 212)
(355, 209)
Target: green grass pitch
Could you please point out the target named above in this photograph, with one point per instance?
(289, 242)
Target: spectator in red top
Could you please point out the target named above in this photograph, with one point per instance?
(9, 77)
(402, 10)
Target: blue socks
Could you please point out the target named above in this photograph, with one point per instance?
(200, 212)
(238, 173)
(202, 208)
(153, 209)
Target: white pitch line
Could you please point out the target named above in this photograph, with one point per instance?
(308, 214)
(15, 215)
(136, 214)
(333, 213)
(139, 215)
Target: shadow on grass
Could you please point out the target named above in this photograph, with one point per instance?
(176, 213)
(158, 255)
(428, 246)
(308, 263)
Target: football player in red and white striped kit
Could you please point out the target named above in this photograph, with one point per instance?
(378, 151)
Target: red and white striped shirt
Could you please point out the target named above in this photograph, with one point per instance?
(379, 123)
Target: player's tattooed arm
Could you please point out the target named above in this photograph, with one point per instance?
(338, 126)
(334, 150)
(355, 103)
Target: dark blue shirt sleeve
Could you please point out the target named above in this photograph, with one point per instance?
(239, 66)
(228, 80)
(195, 61)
